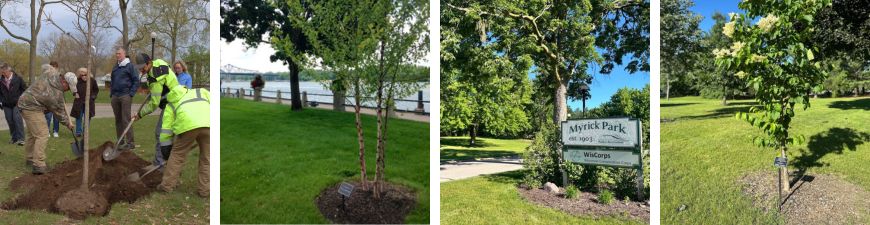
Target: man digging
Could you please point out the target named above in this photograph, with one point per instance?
(186, 119)
(44, 95)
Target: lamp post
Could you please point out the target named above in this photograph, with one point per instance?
(153, 36)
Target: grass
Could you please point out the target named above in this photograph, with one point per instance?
(182, 206)
(494, 199)
(275, 162)
(458, 148)
(705, 151)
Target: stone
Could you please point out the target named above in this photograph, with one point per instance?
(551, 187)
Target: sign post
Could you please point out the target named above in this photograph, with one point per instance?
(345, 189)
(614, 142)
(780, 162)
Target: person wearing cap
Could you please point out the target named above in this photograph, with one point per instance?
(125, 82)
(187, 115)
(11, 88)
(78, 109)
(160, 79)
(44, 94)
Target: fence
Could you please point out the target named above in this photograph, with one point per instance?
(402, 105)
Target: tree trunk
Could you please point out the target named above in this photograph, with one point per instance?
(295, 102)
(667, 87)
(125, 27)
(783, 174)
(359, 135)
(560, 103)
(379, 98)
(725, 96)
(472, 134)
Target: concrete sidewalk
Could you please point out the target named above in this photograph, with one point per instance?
(103, 111)
(461, 170)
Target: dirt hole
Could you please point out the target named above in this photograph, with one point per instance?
(361, 207)
(815, 199)
(107, 181)
(586, 204)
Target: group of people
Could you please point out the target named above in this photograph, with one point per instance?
(183, 122)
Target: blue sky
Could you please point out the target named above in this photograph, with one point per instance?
(708, 7)
(605, 85)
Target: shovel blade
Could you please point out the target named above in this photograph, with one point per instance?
(78, 148)
(134, 177)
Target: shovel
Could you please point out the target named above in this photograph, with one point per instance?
(114, 151)
(78, 147)
(134, 177)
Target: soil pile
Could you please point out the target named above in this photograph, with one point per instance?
(586, 204)
(108, 184)
(362, 208)
(815, 199)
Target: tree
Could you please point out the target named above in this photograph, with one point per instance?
(843, 27)
(560, 38)
(252, 20)
(178, 22)
(775, 57)
(37, 10)
(717, 80)
(679, 41)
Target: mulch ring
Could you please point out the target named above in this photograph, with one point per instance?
(815, 199)
(362, 208)
(58, 190)
(586, 204)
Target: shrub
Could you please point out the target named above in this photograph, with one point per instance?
(530, 182)
(572, 192)
(605, 197)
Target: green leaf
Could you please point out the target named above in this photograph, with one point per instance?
(810, 55)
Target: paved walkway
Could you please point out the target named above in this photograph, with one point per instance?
(104, 110)
(460, 170)
(369, 111)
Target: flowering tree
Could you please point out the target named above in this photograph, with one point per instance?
(775, 57)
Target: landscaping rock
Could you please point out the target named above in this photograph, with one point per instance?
(551, 187)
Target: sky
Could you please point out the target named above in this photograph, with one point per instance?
(605, 85)
(58, 13)
(706, 8)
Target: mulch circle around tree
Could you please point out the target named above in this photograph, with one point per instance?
(59, 190)
(815, 199)
(586, 204)
(362, 208)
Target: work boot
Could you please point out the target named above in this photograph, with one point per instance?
(38, 170)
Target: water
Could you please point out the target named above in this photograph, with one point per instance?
(317, 88)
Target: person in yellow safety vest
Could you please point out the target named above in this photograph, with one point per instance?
(160, 81)
(187, 115)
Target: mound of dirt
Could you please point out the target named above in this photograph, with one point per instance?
(107, 185)
(815, 199)
(586, 204)
(362, 208)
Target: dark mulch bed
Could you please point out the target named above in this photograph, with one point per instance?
(586, 204)
(108, 185)
(362, 208)
(815, 199)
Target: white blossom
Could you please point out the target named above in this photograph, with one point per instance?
(728, 30)
(758, 58)
(721, 52)
(736, 47)
(767, 22)
(740, 74)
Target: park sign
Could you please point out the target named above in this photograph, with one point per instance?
(608, 132)
(617, 158)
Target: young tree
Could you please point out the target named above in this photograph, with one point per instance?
(776, 58)
(37, 10)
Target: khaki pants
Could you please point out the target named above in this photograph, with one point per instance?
(180, 148)
(37, 136)
(121, 108)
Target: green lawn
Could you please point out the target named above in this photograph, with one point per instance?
(458, 148)
(275, 162)
(182, 206)
(705, 151)
(494, 199)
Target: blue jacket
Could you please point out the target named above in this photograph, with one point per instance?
(185, 80)
(125, 80)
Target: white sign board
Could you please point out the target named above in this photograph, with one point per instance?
(603, 157)
(613, 132)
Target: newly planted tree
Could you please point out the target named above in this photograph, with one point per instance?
(775, 59)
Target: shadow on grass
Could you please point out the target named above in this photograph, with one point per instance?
(510, 177)
(750, 103)
(718, 113)
(675, 104)
(462, 154)
(464, 142)
(863, 103)
(834, 141)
